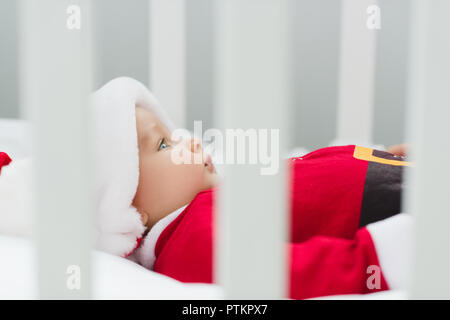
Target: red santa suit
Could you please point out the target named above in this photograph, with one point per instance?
(337, 195)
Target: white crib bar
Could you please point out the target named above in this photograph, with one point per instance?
(430, 133)
(57, 79)
(167, 42)
(356, 74)
(252, 93)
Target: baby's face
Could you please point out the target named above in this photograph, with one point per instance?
(164, 185)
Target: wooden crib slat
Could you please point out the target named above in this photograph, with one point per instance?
(167, 40)
(57, 77)
(252, 93)
(356, 74)
(429, 133)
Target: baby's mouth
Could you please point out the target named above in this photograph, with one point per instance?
(209, 164)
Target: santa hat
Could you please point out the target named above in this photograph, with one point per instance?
(116, 162)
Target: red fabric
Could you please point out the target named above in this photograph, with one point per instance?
(184, 249)
(328, 266)
(4, 160)
(327, 252)
(327, 190)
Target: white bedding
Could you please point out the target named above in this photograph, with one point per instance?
(113, 277)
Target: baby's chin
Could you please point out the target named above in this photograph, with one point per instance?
(211, 179)
(208, 163)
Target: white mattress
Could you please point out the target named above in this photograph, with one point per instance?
(113, 277)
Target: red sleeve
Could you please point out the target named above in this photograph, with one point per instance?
(325, 266)
(4, 160)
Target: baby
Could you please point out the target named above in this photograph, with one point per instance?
(345, 220)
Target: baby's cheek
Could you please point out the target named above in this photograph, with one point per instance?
(197, 175)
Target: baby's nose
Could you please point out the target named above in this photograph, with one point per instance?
(196, 145)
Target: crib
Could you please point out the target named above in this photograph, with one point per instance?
(244, 270)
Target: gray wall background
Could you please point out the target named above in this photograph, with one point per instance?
(8, 60)
(315, 71)
(121, 39)
(122, 44)
(391, 71)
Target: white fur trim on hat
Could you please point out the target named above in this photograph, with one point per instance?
(116, 161)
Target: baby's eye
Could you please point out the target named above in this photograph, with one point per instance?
(163, 144)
